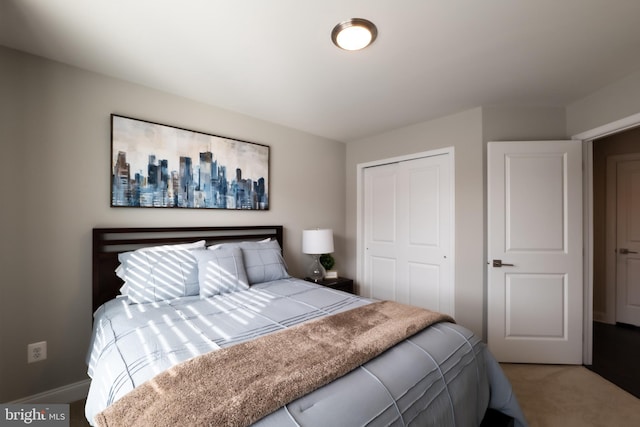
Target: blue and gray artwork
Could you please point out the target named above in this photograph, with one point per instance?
(153, 167)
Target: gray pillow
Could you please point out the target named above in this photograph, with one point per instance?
(263, 261)
(221, 271)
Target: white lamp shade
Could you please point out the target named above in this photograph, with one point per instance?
(318, 241)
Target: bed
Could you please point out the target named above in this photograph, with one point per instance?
(220, 297)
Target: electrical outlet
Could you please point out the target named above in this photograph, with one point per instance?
(36, 351)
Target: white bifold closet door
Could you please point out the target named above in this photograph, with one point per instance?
(407, 233)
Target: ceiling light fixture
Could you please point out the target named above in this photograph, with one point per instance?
(354, 34)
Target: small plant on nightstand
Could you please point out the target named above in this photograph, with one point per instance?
(327, 263)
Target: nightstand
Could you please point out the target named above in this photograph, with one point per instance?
(341, 284)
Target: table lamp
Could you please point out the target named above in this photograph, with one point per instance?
(317, 242)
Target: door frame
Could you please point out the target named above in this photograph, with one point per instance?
(587, 139)
(360, 261)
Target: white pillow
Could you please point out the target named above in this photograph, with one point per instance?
(221, 271)
(160, 272)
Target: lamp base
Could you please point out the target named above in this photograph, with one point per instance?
(316, 270)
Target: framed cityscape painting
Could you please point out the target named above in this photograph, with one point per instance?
(160, 166)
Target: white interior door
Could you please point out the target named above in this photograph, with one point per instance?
(407, 233)
(628, 242)
(535, 232)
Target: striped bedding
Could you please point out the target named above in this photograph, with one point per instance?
(442, 376)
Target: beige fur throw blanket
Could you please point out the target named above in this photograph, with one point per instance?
(238, 385)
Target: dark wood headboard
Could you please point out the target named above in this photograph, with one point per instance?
(109, 242)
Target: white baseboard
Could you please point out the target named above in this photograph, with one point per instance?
(65, 394)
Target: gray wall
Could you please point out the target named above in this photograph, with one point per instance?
(613, 102)
(463, 131)
(468, 132)
(55, 124)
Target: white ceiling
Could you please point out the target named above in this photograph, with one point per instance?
(274, 60)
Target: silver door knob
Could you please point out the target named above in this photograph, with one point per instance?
(499, 263)
(625, 251)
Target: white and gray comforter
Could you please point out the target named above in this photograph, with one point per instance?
(442, 376)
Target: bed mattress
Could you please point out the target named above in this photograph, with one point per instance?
(441, 376)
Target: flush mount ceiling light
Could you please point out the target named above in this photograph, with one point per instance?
(354, 34)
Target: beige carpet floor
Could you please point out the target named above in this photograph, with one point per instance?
(570, 396)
